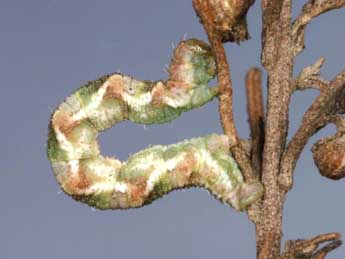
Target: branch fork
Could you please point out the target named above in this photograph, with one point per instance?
(329, 103)
(310, 77)
(311, 10)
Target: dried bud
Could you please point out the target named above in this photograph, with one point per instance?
(329, 156)
(231, 18)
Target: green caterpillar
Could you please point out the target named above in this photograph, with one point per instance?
(107, 183)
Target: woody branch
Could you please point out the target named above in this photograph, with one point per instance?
(328, 103)
(308, 248)
(277, 162)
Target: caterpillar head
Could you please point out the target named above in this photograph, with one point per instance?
(192, 64)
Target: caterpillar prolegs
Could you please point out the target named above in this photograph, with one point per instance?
(107, 183)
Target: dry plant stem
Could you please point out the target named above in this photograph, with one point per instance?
(311, 9)
(224, 80)
(308, 248)
(277, 58)
(256, 115)
(310, 77)
(328, 103)
(207, 17)
(323, 252)
(280, 44)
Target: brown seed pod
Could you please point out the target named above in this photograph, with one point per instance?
(329, 156)
(231, 18)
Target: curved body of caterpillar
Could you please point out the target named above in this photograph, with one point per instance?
(108, 183)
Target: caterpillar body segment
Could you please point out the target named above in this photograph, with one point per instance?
(108, 183)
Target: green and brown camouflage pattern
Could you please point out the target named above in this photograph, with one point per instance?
(108, 183)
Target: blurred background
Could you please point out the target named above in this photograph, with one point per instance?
(48, 48)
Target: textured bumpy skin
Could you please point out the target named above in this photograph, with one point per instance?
(107, 183)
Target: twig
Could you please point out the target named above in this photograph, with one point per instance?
(311, 9)
(207, 16)
(272, 31)
(278, 62)
(256, 115)
(329, 102)
(310, 77)
(323, 252)
(308, 248)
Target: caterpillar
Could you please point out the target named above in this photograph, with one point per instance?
(108, 183)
